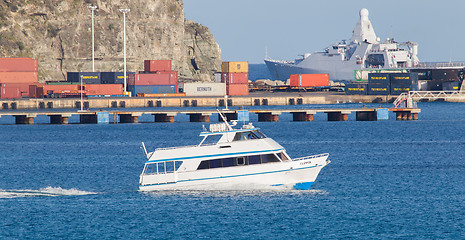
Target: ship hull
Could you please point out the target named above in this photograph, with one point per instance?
(288, 175)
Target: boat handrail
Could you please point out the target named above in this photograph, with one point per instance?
(311, 157)
(171, 148)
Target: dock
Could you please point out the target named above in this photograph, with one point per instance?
(264, 115)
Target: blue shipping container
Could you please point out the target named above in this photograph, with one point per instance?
(382, 113)
(87, 77)
(154, 89)
(378, 89)
(356, 89)
(114, 77)
(404, 78)
(103, 117)
(379, 78)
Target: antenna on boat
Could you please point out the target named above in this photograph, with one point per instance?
(224, 119)
(142, 146)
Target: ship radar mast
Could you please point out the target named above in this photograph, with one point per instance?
(364, 31)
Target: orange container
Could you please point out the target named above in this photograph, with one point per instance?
(19, 77)
(36, 90)
(14, 90)
(157, 65)
(19, 65)
(49, 89)
(237, 89)
(235, 67)
(235, 78)
(159, 78)
(104, 89)
(309, 80)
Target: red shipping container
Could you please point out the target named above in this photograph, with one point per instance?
(19, 77)
(104, 89)
(235, 78)
(36, 90)
(157, 66)
(159, 78)
(309, 80)
(237, 89)
(19, 65)
(14, 90)
(66, 88)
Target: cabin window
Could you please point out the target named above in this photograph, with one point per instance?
(228, 162)
(240, 161)
(211, 139)
(248, 135)
(162, 167)
(269, 158)
(254, 159)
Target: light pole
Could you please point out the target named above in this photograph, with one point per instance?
(124, 11)
(92, 8)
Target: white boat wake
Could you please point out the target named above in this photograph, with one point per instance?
(43, 192)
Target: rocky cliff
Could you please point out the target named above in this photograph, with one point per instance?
(58, 33)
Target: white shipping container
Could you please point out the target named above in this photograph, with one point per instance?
(217, 77)
(204, 89)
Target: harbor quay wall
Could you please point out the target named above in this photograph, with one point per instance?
(125, 102)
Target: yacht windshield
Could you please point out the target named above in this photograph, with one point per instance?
(211, 139)
(248, 135)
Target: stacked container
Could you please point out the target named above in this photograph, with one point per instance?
(16, 74)
(309, 80)
(87, 77)
(403, 82)
(157, 77)
(379, 84)
(114, 77)
(236, 77)
(356, 89)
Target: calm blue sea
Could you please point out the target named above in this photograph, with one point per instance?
(387, 180)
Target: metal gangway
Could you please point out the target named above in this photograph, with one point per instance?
(414, 96)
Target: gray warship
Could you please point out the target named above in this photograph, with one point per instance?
(364, 50)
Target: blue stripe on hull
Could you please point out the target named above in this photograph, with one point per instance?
(303, 186)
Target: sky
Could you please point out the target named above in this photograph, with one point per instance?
(248, 29)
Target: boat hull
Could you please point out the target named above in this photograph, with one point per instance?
(289, 175)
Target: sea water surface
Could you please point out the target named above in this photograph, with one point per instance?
(387, 179)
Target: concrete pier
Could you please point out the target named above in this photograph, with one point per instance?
(25, 119)
(88, 118)
(60, 119)
(264, 115)
(366, 116)
(129, 118)
(199, 117)
(268, 116)
(338, 116)
(164, 117)
(306, 116)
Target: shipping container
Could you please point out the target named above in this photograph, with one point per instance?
(217, 77)
(379, 78)
(104, 89)
(19, 65)
(157, 66)
(235, 67)
(114, 77)
(87, 77)
(309, 80)
(356, 89)
(19, 77)
(237, 89)
(450, 86)
(160, 78)
(136, 89)
(14, 90)
(36, 90)
(235, 78)
(203, 89)
(378, 89)
(404, 78)
(445, 75)
(397, 89)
